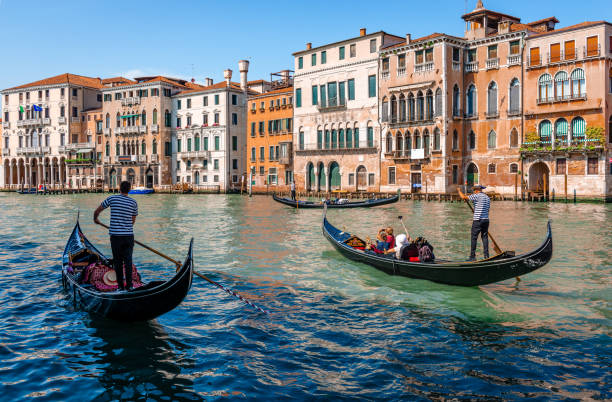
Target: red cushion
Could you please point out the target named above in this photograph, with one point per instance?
(414, 259)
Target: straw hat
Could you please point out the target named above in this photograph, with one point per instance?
(110, 278)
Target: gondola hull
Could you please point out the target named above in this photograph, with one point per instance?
(463, 273)
(145, 303)
(360, 204)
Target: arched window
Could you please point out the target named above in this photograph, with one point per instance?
(411, 115)
(420, 106)
(562, 85)
(491, 168)
(545, 131)
(437, 139)
(393, 109)
(154, 147)
(399, 142)
(154, 116)
(327, 139)
(515, 97)
(341, 138)
(472, 140)
(356, 136)
(578, 83)
(107, 120)
(117, 149)
(456, 101)
(334, 138)
(438, 110)
(167, 118)
(545, 88)
(578, 129)
(143, 118)
(514, 168)
(426, 141)
(385, 109)
(429, 105)
(402, 108)
(492, 140)
(513, 138)
(349, 137)
(492, 99)
(407, 143)
(118, 120)
(197, 142)
(417, 140)
(471, 101)
(455, 140)
(143, 148)
(107, 149)
(561, 129)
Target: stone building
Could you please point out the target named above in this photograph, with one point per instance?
(336, 125)
(270, 135)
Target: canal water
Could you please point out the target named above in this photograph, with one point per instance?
(336, 329)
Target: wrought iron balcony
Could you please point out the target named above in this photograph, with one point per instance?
(332, 105)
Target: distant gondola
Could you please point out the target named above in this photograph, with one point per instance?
(461, 273)
(145, 303)
(357, 204)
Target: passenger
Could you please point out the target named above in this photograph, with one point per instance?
(381, 240)
(390, 237)
(400, 240)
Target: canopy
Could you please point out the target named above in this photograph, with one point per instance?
(129, 115)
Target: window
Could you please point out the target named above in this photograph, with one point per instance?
(341, 53)
(456, 101)
(205, 143)
(471, 101)
(253, 154)
(491, 168)
(438, 108)
(515, 97)
(75, 92)
(216, 118)
(351, 89)
(455, 140)
(178, 122)
(167, 118)
(323, 57)
(154, 116)
(492, 140)
(471, 55)
(235, 119)
(356, 137)
(428, 55)
(569, 48)
(315, 94)
(167, 92)
(235, 164)
(352, 50)
(298, 97)
(301, 140)
(205, 101)
(545, 131)
(555, 53)
(578, 129)
(323, 93)
(178, 104)
(578, 83)
(545, 88)
(592, 165)
(492, 99)
(155, 92)
(513, 138)
(472, 140)
(534, 56)
(271, 153)
(436, 139)
(261, 170)
(262, 128)
(168, 148)
(515, 47)
(234, 99)
(370, 133)
(319, 139)
(372, 45)
(371, 179)
(561, 165)
(262, 154)
(562, 85)
(391, 175)
(216, 142)
(401, 61)
(178, 145)
(592, 48)
(216, 164)
(492, 52)
(234, 143)
(252, 129)
(371, 85)
(300, 62)
(75, 111)
(351, 179)
(313, 59)
(216, 99)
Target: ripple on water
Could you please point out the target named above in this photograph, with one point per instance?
(337, 329)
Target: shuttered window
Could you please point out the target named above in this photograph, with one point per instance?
(356, 138)
(562, 85)
(492, 140)
(561, 127)
(372, 86)
(315, 94)
(578, 128)
(545, 130)
(492, 99)
(592, 46)
(555, 52)
(570, 50)
(578, 83)
(327, 139)
(349, 138)
(592, 166)
(438, 111)
(341, 138)
(534, 56)
(319, 139)
(298, 97)
(351, 89)
(545, 87)
(370, 137)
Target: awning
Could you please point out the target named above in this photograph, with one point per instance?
(85, 151)
(129, 115)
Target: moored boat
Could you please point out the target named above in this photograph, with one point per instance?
(141, 190)
(355, 204)
(500, 267)
(144, 303)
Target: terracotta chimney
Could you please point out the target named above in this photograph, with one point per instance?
(408, 38)
(193, 80)
(362, 32)
(308, 46)
(209, 81)
(227, 74)
(243, 67)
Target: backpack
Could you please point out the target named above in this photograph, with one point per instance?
(425, 250)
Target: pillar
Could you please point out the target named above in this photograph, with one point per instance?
(52, 175)
(327, 179)
(11, 176)
(316, 183)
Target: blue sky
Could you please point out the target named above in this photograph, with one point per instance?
(201, 38)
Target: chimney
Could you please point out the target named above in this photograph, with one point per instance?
(408, 38)
(227, 74)
(208, 81)
(362, 32)
(193, 80)
(308, 46)
(243, 67)
(285, 75)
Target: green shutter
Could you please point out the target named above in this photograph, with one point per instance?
(370, 137)
(216, 143)
(372, 86)
(197, 143)
(349, 138)
(323, 57)
(578, 127)
(341, 93)
(356, 145)
(319, 139)
(315, 95)
(178, 145)
(351, 89)
(298, 97)
(334, 140)
(341, 52)
(341, 138)
(332, 94)
(323, 96)
(335, 176)
(300, 62)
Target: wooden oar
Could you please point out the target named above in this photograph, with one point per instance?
(495, 246)
(178, 266)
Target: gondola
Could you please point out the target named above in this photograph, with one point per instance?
(144, 303)
(141, 190)
(357, 204)
(500, 267)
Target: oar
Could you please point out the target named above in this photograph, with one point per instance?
(178, 266)
(495, 246)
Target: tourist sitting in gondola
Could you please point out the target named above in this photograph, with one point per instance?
(414, 250)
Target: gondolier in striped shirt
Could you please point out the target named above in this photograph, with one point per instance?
(480, 224)
(124, 210)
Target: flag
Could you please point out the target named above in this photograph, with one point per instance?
(37, 108)
(21, 109)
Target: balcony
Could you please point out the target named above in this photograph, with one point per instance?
(194, 154)
(75, 120)
(155, 128)
(106, 131)
(471, 67)
(81, 145)
(6, 124)
(62, 149)
(492, 64)
(564, 98)
(106, 159)
(514, 59)
(6, 152)
(424, 67)
(514, 112)
(20, 151)
(561, 146)
(384, 75)
(591, 52)
(133, 100)
(128, 130)
(333, 105)
(456, 66)
(154, 158)
(142, 158)
(34, 122)
(80, 162)
(492, 114)
(61, 120)
(394, 123)
(315, 149)
(401, 71)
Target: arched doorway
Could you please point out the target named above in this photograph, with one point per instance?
(149, 175)
(33, 173)
(196, 177)
(362, 178)
(310, 177)
(538, 178)
(472, 174)
(321, 177)
(131, 176)
(334, 176)
(112, 183)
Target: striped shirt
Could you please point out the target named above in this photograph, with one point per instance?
(123, 208)
(481, 205)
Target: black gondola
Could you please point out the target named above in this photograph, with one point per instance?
(145, 303)
(461, 273)
(357, 204)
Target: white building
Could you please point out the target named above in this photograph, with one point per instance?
(41, 122)
(210, 134)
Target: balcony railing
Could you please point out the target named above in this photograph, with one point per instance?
(34, 122)
(33, 150)
(6, 152)
(142, 158)
(133, 100)
(514, 59)
(106, 159)
(61, 120)
(106, 131)
(426, 120)
(142, 129)
(456, 66)
(424, 67)
(194, 154)
(331, 149)
(492, 63)
(561, 144)
(75, 120)
(154, 158)
(564, 98)
(155, 128)
(6, 124)
(401, 71)
(81, 145)
(384, 75)
(514, 111)
(128, 130)
(591, 52)
(471, 66)
(333, 104)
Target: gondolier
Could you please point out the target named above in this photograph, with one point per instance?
(480, 223)
(124, 210)
(293, 190)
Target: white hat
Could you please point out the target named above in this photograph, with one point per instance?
(400, 240)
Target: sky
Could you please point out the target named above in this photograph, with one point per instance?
(197, 39)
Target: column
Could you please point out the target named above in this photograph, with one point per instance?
(327, 179)
(10, 181)
(52, 175)
(41, 177)
(316, 183)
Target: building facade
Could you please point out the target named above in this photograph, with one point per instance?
(336, 120)
(270, 136)
(41, 128)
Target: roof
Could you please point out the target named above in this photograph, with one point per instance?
(67, 78)
(95, 109)
(422, 39)
(255, 82)
(543, 20)
(571, 27)
(483, 11)
(219, 85)
(347, 40)
(273, 93)
(148, 80)
(114, 80)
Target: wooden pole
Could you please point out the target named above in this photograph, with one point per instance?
(515, 186)
(565, 186)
